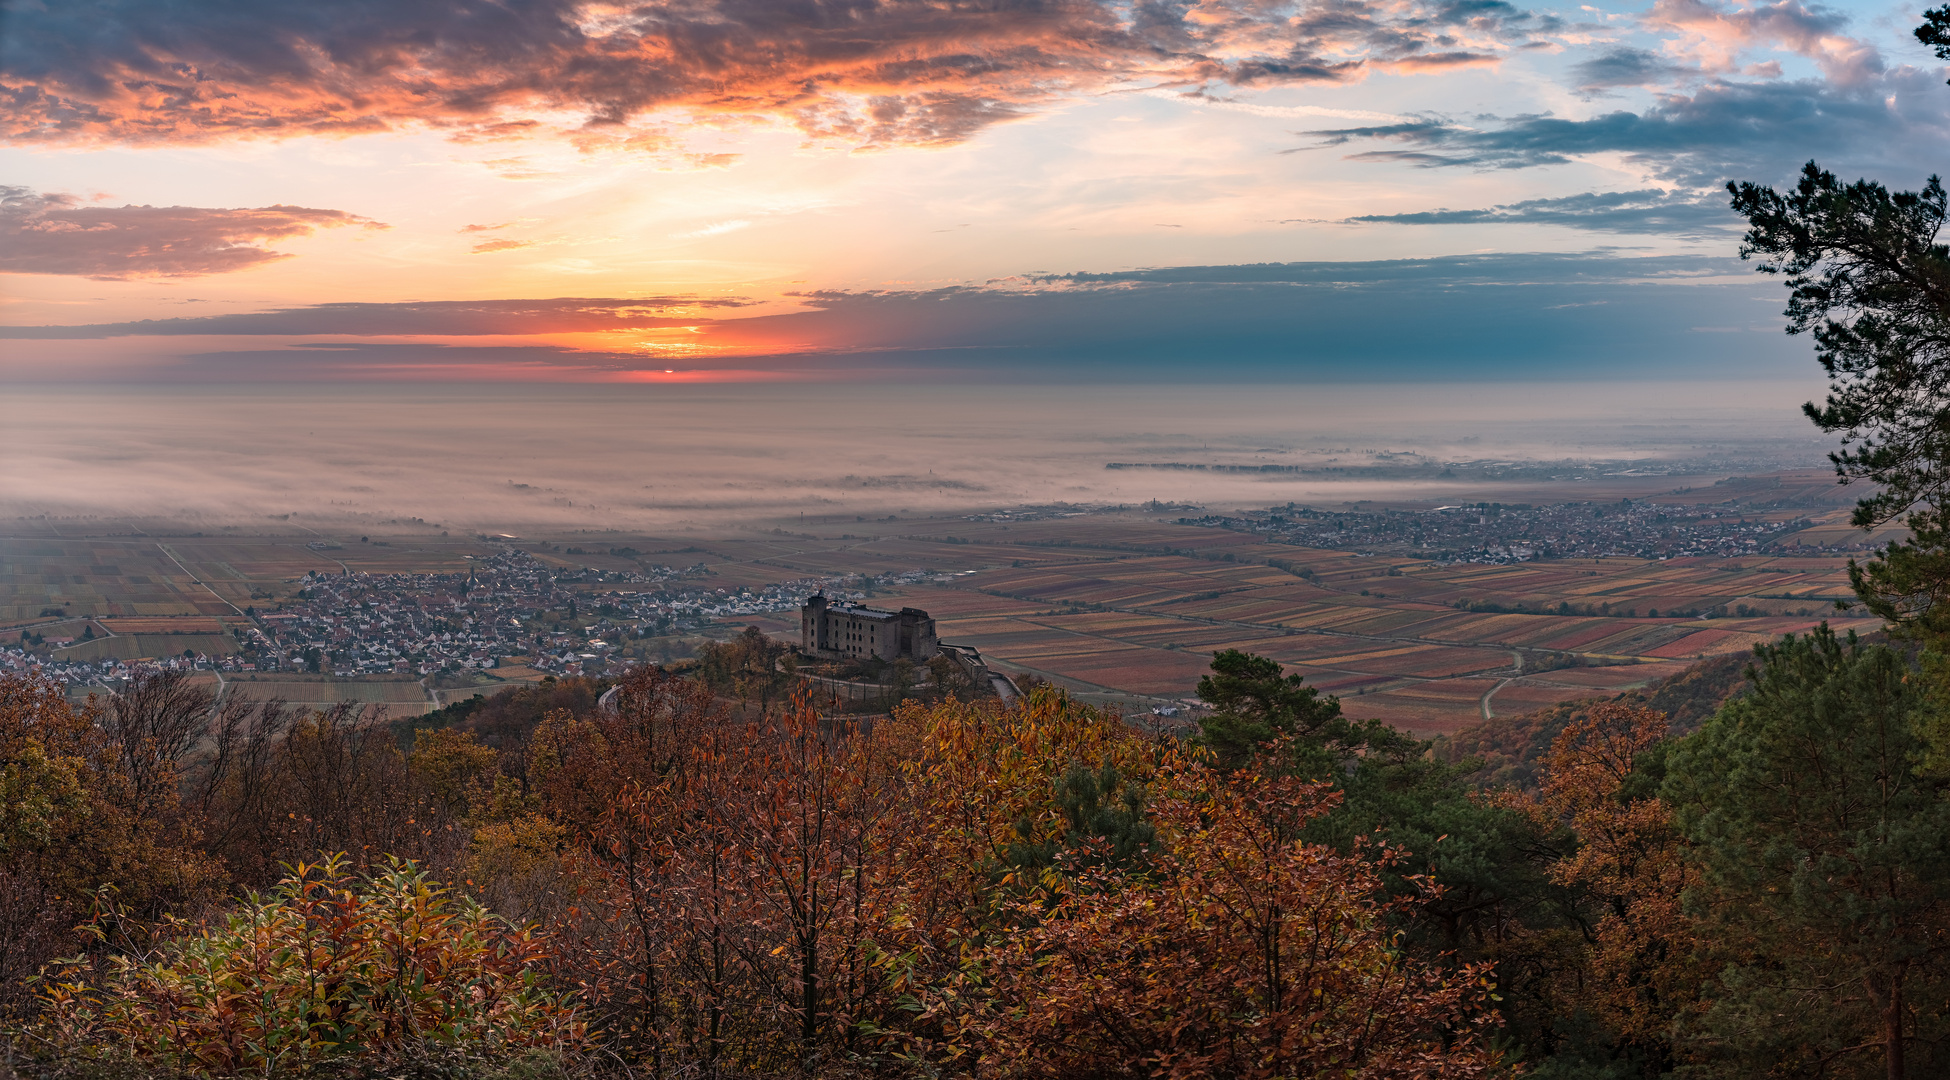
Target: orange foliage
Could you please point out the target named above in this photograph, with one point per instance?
(736, 891)
(1243, 951)
(1631, 855)
(769, 895)
(729, 877)
(324, 966)
(977, 779)
(88, 802)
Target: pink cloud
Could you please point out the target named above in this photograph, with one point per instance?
(52, 234)
(1714, 36)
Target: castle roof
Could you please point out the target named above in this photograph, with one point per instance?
(864, 611)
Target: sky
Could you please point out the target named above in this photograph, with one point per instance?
(924, 191)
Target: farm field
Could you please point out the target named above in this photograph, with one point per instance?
(188, 624)
(149, 646)
(1421, 644)
(176, 576)
(399, 697)
(1404, 653)
(1120, 606)
(40, 579)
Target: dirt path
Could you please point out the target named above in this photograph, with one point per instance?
(194, 580)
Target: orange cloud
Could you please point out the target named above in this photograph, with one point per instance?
(51, 234)
(870, 72)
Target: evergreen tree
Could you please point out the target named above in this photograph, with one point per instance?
(1935, 31)
(1490, 858)
(1105, 824)
(1871, 283)
(1825, 862)
(1255, 704)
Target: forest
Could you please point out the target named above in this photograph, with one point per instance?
(689, 883)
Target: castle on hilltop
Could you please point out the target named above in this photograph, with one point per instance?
(855, 632)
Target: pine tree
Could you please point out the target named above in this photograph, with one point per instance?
(1826, 867)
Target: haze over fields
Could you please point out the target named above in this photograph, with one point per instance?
(509, 459)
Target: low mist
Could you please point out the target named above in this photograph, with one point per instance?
(505, 458)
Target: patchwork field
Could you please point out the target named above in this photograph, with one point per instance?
(400, 698)
(1126, 606)
(1399, 653)
(149, 646)
(1421, 644)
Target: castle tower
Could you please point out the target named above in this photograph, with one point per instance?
(812, 623)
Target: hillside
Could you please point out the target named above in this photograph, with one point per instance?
(1512, 747)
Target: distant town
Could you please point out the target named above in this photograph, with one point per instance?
(1498, 533)
(510, 608)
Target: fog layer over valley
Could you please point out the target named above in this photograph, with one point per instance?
(504, 458)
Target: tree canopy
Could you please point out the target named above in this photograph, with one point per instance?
(1870, 281)
(1255, 705)
(1825, 864)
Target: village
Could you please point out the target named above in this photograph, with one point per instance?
(510, 608)
(1500, 534)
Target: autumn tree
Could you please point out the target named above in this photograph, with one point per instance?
(950, 889)
(45, 804)
(994, 794)
(1244, 951)
(949, 678)
(813, 838)
(280, 785)
(82, 817)
(453, 768)
(151, 725)
(504, 719)
(388, 972)
(235, 791)
(1602, 778)
(747, 667)
(731, 873)
(662, 914)
(1496, 906)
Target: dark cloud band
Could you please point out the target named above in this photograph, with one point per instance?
(441, 318)
(1593, 315)
(1645, 212)
(1700, 139)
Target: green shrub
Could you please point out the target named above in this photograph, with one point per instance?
(326, 970)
